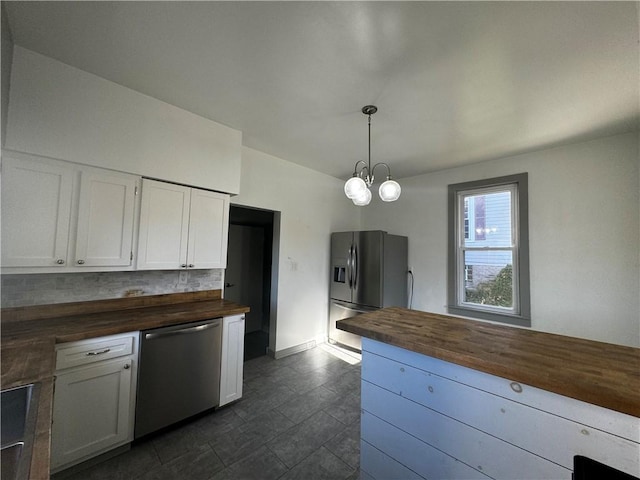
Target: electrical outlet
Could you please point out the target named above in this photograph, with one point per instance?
(293, 265)
(182, 280)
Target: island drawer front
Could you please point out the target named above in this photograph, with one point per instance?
(412, 452)
(84, 352)
(508, 420)
(492, 456)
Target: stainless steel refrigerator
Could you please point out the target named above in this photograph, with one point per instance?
(368, 272)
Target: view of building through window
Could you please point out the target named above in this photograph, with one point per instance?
(487, 249)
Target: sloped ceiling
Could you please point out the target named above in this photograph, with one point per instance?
(455, 82)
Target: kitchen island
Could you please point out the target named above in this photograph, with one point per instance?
(30, 334)
(446, 397)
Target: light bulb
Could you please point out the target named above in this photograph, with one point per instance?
(354, 187)
(389, 191)
(362, 199)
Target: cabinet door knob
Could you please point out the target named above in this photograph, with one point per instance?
(60, 261)
(80, 262)
(191, 265)
(127, 366)
(184, 265)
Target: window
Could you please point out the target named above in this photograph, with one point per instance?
(489, 250)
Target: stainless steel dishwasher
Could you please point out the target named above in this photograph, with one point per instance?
(179, 373)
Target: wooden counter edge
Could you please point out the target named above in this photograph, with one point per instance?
(41, 456)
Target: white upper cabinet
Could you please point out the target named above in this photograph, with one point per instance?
(36, 212)
(208, 229)
(105, 219)
(182, 227)
(164, 226)
(57, 216)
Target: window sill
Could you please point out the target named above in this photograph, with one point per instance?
(517, 320)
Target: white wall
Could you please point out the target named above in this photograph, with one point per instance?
(584, 235)
(58, 111)
(311, 206)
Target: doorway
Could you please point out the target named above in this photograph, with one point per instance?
(248, 277)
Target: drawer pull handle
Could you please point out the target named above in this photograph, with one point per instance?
(91, 354)
(127, 366)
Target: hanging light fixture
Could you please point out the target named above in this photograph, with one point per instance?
(357, 187)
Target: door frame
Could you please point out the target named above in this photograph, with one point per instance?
(270, 220)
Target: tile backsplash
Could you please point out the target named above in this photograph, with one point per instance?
(42, 289)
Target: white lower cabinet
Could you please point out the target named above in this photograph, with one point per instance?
(94, 398)
(232, 362)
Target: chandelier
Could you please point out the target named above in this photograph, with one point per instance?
(357, 187)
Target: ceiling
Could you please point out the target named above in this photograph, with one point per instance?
(455, 82)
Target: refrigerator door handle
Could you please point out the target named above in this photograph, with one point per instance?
(355, 266)
(350, 266)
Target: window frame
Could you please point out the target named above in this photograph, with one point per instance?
(462, 197)
(520, 314)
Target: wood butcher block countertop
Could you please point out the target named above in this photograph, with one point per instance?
(599, 373)
(29, 336)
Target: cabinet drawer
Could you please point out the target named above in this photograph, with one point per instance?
(84, 352)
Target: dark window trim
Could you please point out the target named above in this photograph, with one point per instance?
(524, 316)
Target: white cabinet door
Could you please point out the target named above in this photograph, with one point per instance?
(91, 411)
(58, 216)
(105, 218)
(208, 229)
(182, 227)
(36, 212)
(231, 366)
(164, 226)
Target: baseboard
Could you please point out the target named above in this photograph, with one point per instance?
(292, 350)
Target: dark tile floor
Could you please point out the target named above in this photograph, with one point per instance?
(255, 344)
(299, 418)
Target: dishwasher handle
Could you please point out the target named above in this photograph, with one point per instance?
(182, 331)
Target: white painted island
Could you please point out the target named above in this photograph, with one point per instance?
(448, 418)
